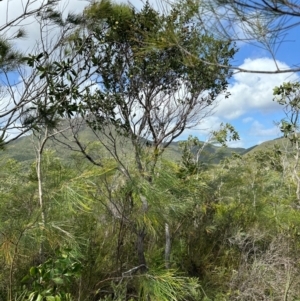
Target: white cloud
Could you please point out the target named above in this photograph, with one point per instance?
(250, 91)
(204, 130)
(258, 129)
(11, 9)
(209, 124)
(247, 119)
(239, 143)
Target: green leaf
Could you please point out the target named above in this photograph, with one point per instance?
(25, 278)
(39, 297)
(31, 296)
(33, 271)
(58, 280)
(39, 56)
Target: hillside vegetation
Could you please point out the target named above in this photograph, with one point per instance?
(229, 225)
(99, 201)
(65, 147)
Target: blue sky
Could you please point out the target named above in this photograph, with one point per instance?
(250, 108)
(256, 124)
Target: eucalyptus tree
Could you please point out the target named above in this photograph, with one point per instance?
(144, 98)
(150, 96)
(136, 102)
(136, 96)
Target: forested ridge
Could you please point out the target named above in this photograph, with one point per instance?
(23, 149)
(100, 199)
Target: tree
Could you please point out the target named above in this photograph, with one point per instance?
(9, 57)
(22, 230)
(150, 96)
(144, 99)
(23, 83)
(138, 102)
(192, 149)
(263, 24)
(288, 95)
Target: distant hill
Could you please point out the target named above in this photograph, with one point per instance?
(22, 149)
(282, 142)
(211, 153)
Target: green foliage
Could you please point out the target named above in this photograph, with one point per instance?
(270, 158)
(136, 80)
(193, 151)
(167, 285)
(135, 226)
(226, 133)
(221, 221)
(109, 12)
(60, 77)
(52, 280)
(9, 58)
(288, 95)
(188, 148)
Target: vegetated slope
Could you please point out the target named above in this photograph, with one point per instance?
(23, 149)
(210, 153)
(283, 143)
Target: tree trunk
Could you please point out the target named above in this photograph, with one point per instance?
(168, 246)
(140, 250)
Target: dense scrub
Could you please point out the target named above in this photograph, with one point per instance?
(118, 220)
(234, 233)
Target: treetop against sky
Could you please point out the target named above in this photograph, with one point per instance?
(250, 108)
